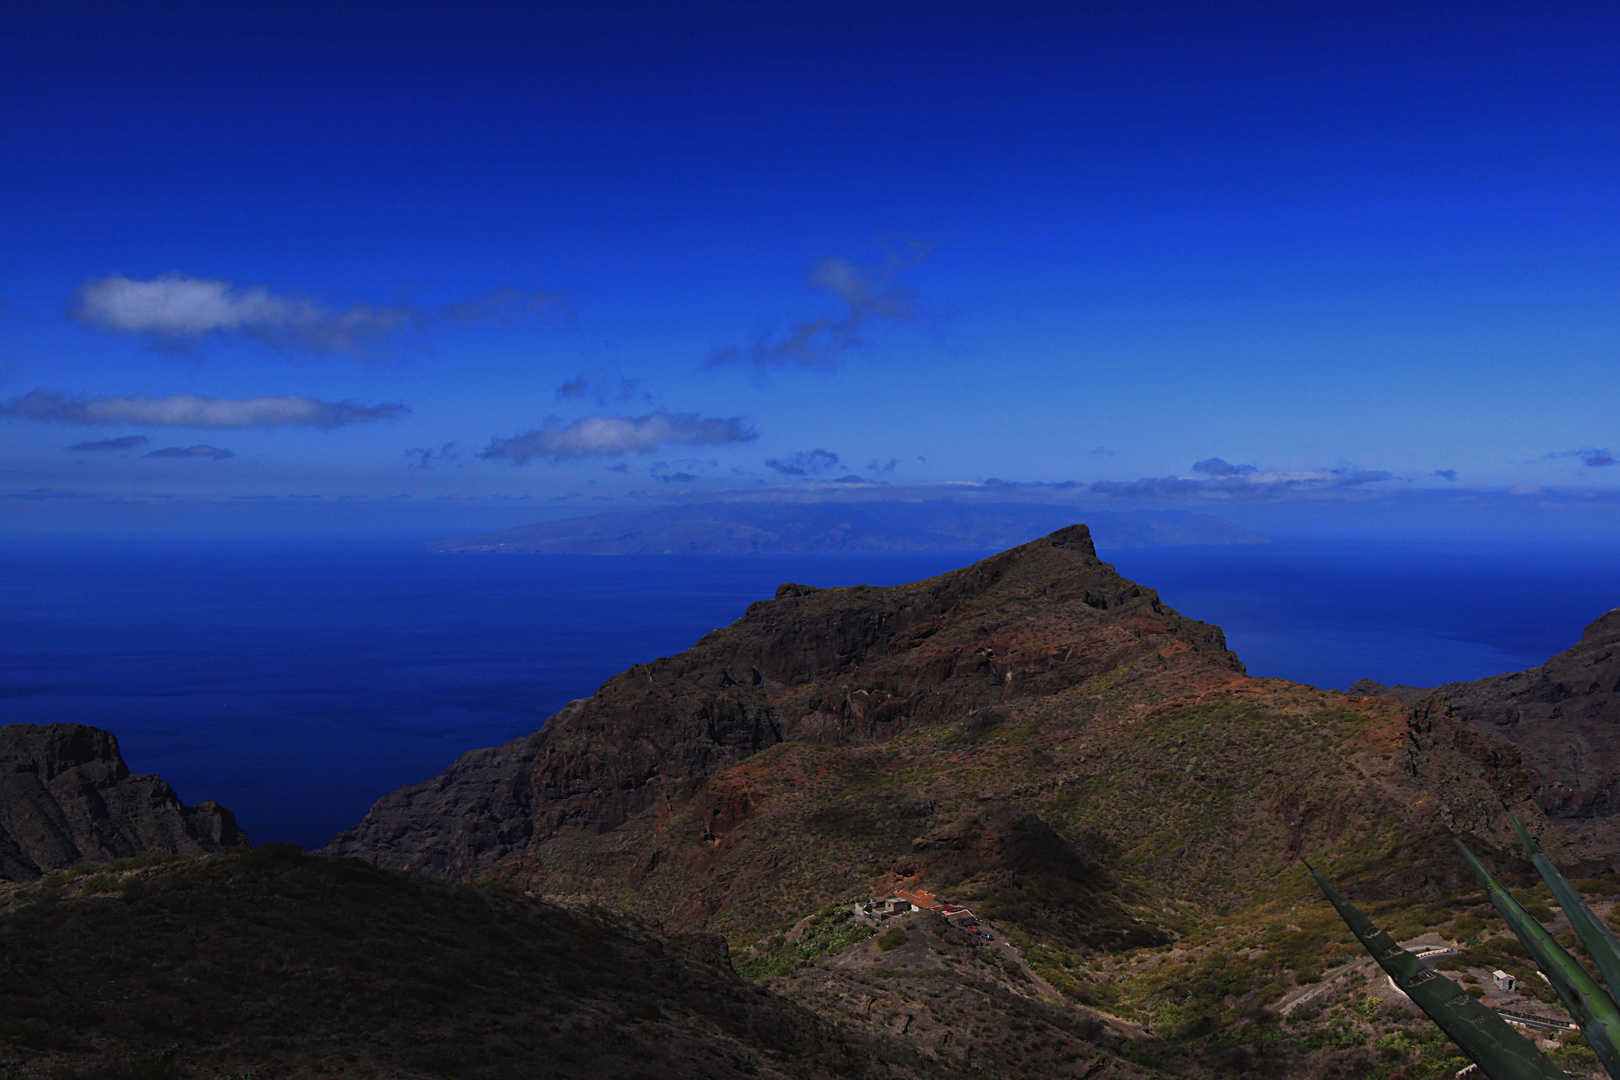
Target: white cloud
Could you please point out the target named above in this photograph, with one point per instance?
(176, 310)
(614, 436)
(189, 410)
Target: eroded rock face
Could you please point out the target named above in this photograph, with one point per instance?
(839, 667)
(67, 797)
(1564, 718)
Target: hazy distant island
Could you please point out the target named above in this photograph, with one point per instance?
(779, 528)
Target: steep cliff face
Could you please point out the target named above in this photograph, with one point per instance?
(66, 797)
(1564, 718)
(830, 667)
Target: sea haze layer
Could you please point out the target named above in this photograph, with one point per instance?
(297, 680)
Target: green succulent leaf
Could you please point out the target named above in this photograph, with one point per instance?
(1592, 1009)
(1594, 934)
(1499, 1051)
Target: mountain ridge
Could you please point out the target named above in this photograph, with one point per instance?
(802, 634)
(644, 793)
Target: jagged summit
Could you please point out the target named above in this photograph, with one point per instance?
(841, 666)
(66, 796)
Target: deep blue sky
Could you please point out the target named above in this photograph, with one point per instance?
(1304, 245)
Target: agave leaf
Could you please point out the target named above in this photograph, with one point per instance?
(1501, 1052)
(1594, 1010)
(1594, 934)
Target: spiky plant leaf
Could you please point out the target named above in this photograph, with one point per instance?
(1594, 1010)
(1599, 942)
(1501, 1052)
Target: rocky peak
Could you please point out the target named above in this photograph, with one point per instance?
(836, 666)
(50, 750)
(66, 796)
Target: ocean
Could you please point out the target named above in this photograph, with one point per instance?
(296, 679)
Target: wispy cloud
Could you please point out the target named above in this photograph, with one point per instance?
(866, 293)
(1445, 474)
(1593, 457)
(125, 442)
(615, 436)
(189, 410)
(213, 453)
(1221, 480)
(805, 463)
(175, 311)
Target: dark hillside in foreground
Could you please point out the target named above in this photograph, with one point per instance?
(773, 528)
(269, 964)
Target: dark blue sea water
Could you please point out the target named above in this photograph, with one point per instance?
(296, 679)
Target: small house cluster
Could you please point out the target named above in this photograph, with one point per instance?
(878, 910)
(909, 900)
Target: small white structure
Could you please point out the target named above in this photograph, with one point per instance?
(878, 910)
(1503, 980)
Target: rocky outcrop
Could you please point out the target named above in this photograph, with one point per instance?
(1564, 719)
(67, 797)
(838, 667)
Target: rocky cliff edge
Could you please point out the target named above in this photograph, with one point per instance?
(66, 796)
